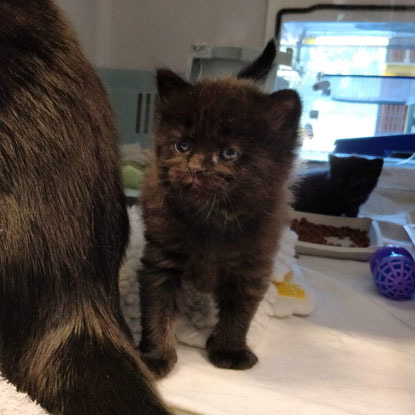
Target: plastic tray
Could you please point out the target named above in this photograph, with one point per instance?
(343, 252)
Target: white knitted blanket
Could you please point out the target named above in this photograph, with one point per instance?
(199, 313)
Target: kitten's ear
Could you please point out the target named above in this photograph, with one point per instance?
(377, 165)
(339, 164)
(168, 83)
(259, 69)
(286, 105)
(333, 159)
(282, 110)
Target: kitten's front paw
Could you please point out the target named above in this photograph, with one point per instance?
(159, 366)
(238, 359)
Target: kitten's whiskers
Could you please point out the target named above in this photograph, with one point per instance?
(212, 207)
(228, 202)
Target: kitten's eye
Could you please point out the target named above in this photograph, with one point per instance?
(229, 154)
(182, 146)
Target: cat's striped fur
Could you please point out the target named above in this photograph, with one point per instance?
(63, 226)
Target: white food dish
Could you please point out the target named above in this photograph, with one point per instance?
(344, 252)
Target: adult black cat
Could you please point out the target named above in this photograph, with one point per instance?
(341, 189)
(63, 226)
(214, 203)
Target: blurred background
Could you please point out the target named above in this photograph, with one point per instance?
(352, 62)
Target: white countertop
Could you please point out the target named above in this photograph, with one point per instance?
(354, 355)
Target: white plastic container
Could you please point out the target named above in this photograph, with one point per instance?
(344, 252)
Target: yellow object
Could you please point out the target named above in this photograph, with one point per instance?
(309, 40)
(399, 70)
(287, 288)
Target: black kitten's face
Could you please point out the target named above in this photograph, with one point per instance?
(204, 151)
(203, 168)
(356, 176)
(220, 141)
(208, 162)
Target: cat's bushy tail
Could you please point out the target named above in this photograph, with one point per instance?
(63, 226)
(84, 365)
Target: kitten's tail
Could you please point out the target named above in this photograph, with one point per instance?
(260, 68)
(87, 366)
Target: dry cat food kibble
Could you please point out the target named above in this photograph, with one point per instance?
(319, 234)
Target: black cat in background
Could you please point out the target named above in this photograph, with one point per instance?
(339, 190)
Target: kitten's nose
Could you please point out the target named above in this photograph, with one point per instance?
(197, 172)
(195, 164)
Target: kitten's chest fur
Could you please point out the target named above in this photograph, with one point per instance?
(201, 268)
(212, 261)
(209, 252)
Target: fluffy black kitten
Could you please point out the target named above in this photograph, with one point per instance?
(63, 226)
(214, 203)
(341, 189)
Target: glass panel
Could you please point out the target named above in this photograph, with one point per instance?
(355, 72)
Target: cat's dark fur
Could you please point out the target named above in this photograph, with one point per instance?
(341, 189)
(63, 226)
(210, 222)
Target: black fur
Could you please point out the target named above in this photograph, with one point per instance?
(63, 226)
(341, 189)
(260, 68)
(213, 220)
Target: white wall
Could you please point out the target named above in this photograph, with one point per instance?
(160, 32)
(142, 34)
(82, 14)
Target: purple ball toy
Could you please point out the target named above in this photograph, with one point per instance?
(385, 251)
(393, 270)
